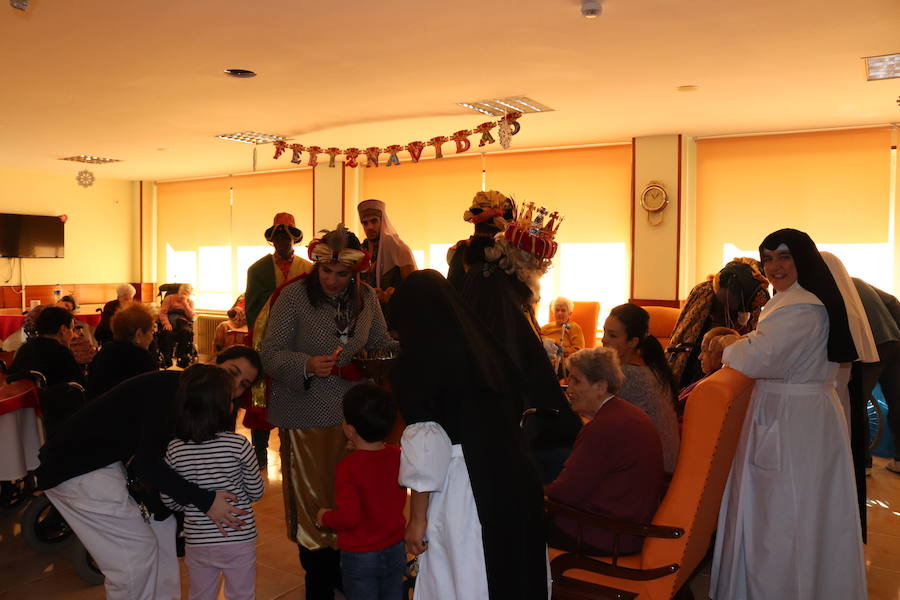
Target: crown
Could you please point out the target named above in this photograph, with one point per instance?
(534, 231)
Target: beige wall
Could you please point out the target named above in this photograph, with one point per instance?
(102, 232)
(655, 244)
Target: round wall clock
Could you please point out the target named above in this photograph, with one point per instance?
(654, 199)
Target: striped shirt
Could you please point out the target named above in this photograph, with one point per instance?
(224, 463)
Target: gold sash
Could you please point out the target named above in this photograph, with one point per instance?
(308, 461)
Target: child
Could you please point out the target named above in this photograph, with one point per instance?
(369, 514)
(207, 452)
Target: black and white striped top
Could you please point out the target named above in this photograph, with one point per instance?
(225, 463)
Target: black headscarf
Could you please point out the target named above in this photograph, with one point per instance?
(815, 277)
(453, 372)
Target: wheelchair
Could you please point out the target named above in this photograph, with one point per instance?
(43, 528)
(176, 346)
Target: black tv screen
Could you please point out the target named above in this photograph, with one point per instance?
(31, 236)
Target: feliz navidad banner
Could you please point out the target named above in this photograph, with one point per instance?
(507, 127)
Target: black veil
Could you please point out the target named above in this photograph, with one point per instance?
(813, 274)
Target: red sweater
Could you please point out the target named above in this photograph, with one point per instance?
(615, 469)
(370, 502)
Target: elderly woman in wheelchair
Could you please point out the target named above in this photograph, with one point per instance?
(176, 328)
(616, 465)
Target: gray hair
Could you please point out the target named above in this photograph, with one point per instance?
(598, 364)
(569, 304)
(125, 289)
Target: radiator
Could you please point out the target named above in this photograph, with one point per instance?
(205, 331)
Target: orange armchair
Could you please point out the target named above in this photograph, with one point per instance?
(679, 536)
(662, 322)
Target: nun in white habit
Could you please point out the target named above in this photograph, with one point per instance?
(788, 524)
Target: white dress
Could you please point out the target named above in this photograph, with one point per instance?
(452, 567)
(789, 522)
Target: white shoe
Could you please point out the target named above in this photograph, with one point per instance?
(893, 466)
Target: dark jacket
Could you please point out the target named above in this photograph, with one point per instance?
(116, 362)
(52, 359)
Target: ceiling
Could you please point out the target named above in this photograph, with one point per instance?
(142, 81)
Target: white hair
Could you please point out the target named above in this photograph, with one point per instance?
(125, 289)
(569, 304)
(527, 267)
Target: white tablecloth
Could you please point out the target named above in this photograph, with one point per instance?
(21, 436)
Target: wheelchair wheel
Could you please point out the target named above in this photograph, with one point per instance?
(43, 528)
(85, 567)
(876, 422)
(13, 494)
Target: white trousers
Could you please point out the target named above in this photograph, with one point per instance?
(138, 559)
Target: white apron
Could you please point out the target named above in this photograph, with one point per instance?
(789, 522)
(452, 567)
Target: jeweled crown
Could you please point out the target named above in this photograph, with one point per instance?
(534, 231)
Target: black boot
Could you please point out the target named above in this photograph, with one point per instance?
(323, 572)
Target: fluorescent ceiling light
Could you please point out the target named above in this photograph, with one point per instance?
(94, 160)
(886, 66)
(251, 137)
(498, 107)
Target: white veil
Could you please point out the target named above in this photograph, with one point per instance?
(392, 251)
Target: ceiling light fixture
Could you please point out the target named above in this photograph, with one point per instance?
(251, 137)
(886, 66)
(498, 107)
(591, 9)
(94, 160)
(19, 4)
(240, 73)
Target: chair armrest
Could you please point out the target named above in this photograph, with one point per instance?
(36, 376)
(618, 526)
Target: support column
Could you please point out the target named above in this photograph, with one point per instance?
(328, 197)
(656, 241)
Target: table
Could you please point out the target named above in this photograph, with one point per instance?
(11, 320)
(21, 431)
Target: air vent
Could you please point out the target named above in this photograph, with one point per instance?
(882, 67)
(94, 160)
(500, 106)
(251, 137)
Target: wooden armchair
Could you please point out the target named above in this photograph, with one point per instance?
(679, 536)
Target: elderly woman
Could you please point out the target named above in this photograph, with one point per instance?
(237, 322)
(732, 299)
(316, 325)
(124, 294)
(563, 332)
(176, 314)
(710, 361)
(616, 466)
(788, 525)
(648, 381)
(126, 355)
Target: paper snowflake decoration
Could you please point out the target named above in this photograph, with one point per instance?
(85, 178)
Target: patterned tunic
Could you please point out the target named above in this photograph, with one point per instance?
(298, 330)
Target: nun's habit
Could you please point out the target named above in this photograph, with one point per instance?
(788, 525)
(458, 391)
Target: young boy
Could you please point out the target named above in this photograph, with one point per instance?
(369, 514)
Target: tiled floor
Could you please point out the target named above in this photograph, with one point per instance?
(25, 574)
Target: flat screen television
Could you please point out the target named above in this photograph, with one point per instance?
(31, 236)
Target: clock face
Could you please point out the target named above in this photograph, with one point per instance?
(654, 198)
